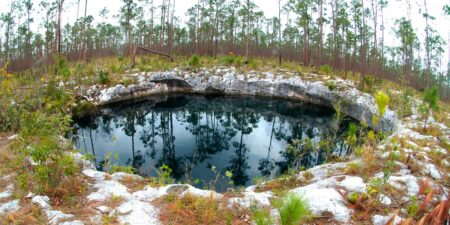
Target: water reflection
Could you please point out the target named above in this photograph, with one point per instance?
(193, 134)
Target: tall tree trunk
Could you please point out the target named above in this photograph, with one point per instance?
(171, 32)
(319, 60)
(427, 46)
(7, 36)
(150, 33)
(84, 32)
(375, 29)
(279, 33)
(78, 9)
(163, 20)
(248, 30)
(58, 29)
(364, 49)
(355, 29)
(382, 42)
(335, 54)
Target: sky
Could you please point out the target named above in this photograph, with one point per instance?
(395, 10)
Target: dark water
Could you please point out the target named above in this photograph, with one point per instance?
(201, 137)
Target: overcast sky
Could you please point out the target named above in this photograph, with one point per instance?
(395, 10)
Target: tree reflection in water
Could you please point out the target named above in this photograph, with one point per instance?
(190, 133)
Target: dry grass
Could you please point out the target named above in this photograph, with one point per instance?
(281, 185)
(192, 210)
(352, 168)
(134, 184)
(28, 214)
(113, 201)
(110, 219)
(431, 129)
(443, 115)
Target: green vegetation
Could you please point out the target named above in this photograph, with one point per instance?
(232, 60)
(262, 217)
(103, 77)
(430, 102)
(194, 62)
(382, 100)
(163, 177)
(325, 69)
(293, 209)
(192, 210)
(110, 167)
(331, 85)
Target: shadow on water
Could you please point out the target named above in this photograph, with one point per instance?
(202, 137)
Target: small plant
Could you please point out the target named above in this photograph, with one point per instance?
(262, 217)
(293, 209)
(430, 102)
(405, 103)
(193, 210)
(63, 69)
(308, 175)
(413, 207)
(109, 219)
(375, 186)
(382, 101)
(298, 149)
(229, 59)
(164, 176)
(337, 106)
(103, 77)
(194, 62)
(110, 167)
(353, 198)
(331, 85)
(84, 109)
(352, 168)
(229, 176)
(352, 135)
(325, 69)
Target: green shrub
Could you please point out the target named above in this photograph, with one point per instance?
(325, 69)
(430, 102)
(40, 141)
(84, 109)
(413, 207)
(353, 197)
(63, 69)
(229, 60)
(352, 134)
(293, 209)
(369, 83)
(406, 108)
(254, 64)
(163, 177)
(103, 77)
(194, 62)
(262, 217)
(331, 85)
(238, 61)
(110, 167)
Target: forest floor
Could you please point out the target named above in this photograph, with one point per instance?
(404, 178)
